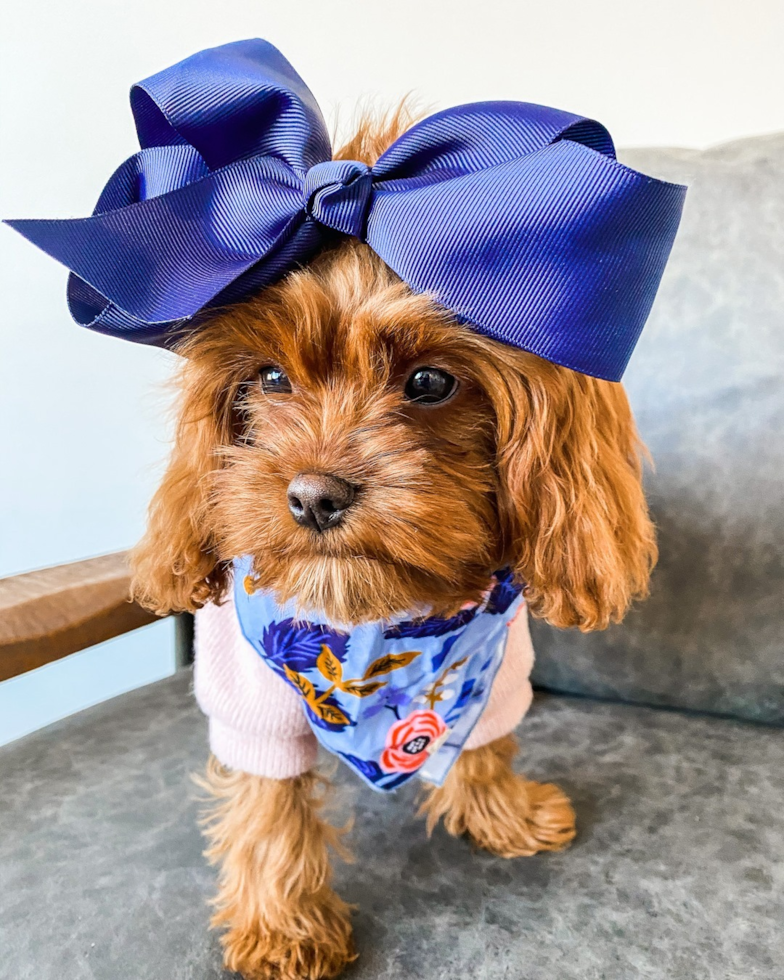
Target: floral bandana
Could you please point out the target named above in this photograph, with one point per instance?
(392, 699)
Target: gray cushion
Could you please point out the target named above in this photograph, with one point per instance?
(707, 386)
(670, 878)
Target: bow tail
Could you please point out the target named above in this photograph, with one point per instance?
(559, 252)
(140, 269)
(92, 310)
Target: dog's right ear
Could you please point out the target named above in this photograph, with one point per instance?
(571, 500)
(175, 566)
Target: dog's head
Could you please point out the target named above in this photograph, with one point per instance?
(373, 456)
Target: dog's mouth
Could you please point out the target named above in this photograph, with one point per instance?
(325, 548)
(336, 560)
(354, 586)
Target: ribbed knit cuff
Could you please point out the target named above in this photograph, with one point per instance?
(276, 758)
(498, 720)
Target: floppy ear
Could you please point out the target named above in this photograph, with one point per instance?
(571, 499)
(175, 566)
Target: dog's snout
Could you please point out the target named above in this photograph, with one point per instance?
(319, 500)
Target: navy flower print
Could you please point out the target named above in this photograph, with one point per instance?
(432, 626)
(298, 645)
(504, 592)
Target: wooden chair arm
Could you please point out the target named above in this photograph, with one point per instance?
(51, 613)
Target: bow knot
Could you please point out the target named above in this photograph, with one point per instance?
(337, 195)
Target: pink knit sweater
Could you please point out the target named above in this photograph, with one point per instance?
(257, 722)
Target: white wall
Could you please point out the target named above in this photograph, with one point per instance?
(82, 427)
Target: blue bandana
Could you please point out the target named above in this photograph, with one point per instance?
(392, 699)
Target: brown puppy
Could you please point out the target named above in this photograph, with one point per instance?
(527, 464)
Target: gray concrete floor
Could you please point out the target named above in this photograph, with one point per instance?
(676, 875)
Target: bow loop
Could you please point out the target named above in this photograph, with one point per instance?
(229, 103)
(151, 173)
(474, 137)
(337, 195)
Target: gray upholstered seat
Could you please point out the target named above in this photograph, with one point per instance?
(675, 874)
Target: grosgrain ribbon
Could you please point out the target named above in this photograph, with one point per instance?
(516, 217)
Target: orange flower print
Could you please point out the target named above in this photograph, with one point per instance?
(409, 740)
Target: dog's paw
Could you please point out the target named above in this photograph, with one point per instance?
(314, 944)
(527, 818)
(509, 816)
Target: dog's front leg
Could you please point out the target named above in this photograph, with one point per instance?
(280, 916)
(499, 809)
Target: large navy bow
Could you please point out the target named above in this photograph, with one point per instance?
(516, 217)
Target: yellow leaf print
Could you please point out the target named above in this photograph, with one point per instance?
(301, 683)
(329, 665)
(330, 713)
(389, 662)
(361, 690)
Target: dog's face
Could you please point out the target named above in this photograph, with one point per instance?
(362, 478)
(375, 457)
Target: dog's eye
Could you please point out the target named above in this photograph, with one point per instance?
(274, 381)
(428, 385)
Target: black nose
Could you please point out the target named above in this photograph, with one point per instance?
(319, 500)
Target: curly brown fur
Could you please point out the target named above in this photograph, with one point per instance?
(281, 917)
(540, 465)
(498, 809)
(529, 464)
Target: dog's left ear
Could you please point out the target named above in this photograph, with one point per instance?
(571, 500)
